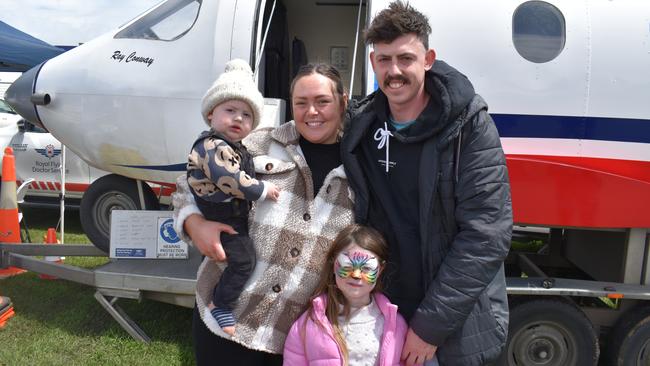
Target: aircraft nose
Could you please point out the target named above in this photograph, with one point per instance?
(21, 97)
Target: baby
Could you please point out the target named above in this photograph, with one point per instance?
(221, 176)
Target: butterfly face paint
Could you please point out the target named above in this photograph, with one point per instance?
(357, 265)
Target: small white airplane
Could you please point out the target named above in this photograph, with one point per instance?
(566, 82)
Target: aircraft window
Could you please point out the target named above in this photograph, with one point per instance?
(538, 31)
(167, 22)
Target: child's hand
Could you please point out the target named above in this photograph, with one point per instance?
(272, 192)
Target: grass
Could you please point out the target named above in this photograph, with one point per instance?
(60, 322)
(39, 220)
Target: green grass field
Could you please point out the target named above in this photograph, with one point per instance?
(58, 322)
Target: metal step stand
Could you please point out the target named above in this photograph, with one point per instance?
(120, 315)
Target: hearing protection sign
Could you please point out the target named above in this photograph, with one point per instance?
(146, 235)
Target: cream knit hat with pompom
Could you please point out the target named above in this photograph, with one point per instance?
(236, 82)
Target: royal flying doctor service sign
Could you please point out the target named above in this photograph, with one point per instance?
(145, 234)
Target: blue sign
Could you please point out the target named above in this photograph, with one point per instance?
(130, 252)
(168, 233)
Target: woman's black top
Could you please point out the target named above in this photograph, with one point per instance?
(321, 159)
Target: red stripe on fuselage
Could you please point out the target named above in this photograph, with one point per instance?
(579, 192)
(167, 188)
(166, 191)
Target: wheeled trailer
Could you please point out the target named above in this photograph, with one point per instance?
(579, 290)
(166, 280)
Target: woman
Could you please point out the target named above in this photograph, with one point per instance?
(291, 236)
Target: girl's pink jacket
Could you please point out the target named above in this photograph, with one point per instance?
(319, 347)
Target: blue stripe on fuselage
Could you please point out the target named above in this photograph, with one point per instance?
(579, 128)
(534, 126)
(166, 168)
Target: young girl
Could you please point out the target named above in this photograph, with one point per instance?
(349, 320)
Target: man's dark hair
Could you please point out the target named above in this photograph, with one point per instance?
(399, 19)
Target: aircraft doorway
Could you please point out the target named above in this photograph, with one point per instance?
(310, 32)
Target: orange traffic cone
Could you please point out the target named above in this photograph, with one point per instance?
(9, 225)
(6, 310)
(50, 238)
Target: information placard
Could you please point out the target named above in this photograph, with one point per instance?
(145, 234)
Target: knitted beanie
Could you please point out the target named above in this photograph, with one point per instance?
(236, 82)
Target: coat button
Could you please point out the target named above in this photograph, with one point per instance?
(328, 189)
(268, 167)
(306, 217)
(294, 252)
(277, 288)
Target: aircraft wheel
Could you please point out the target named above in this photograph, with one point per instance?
(108, 193)
(549, 332)
(629, 341)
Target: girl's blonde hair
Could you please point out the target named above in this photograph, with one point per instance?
(366, 238)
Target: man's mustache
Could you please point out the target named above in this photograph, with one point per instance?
(390, 79)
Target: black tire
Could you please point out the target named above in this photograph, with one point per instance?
(549, 332)
(108, 193)
(629, 341)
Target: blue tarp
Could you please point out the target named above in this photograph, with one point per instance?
(20, 52)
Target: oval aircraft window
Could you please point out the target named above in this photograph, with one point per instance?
(538, 31)
(167, 22)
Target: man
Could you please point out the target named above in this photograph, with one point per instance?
(426, 165)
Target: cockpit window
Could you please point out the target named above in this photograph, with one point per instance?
(167, 22)
(538, 31)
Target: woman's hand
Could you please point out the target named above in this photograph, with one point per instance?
(206, 235)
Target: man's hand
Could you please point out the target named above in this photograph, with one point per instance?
(416, 351)
(206, 236)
